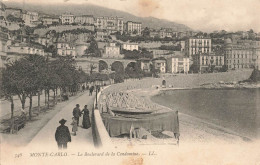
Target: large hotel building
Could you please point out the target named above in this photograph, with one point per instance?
(195, 46)
(242, 54)
(110, 24)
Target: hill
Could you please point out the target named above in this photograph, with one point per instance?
(86, 9)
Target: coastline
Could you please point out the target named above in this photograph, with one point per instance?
(192, 129)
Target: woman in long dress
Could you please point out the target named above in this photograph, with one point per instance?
(86, 120)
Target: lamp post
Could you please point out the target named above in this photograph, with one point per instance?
(96, 105)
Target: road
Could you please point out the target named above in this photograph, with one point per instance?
(45, 138)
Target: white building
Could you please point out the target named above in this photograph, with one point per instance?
(133, 28)
(110, 24)
(67, 19)
(130, 46)
(196, 46)
(66, 49)
(178, 64)
(30, 17)
(159, 64)
(84, 19)
(112, 51)
(25, 49)
(50, 21)
(3, 48)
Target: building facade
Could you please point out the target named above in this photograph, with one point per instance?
(159, 64)
(25, 49)
(130, 46)
(66, 49)
(67, 19)
(144, 64)
(178, 64)
(209, 62)
(30, 17)
(84, 19)
(242, 54)
(133, 28)
(112, 51)
(195, 46)
(50, 21)
(3, 48)
(14, 12)
(110, 24)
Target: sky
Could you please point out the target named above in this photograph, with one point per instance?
(203, 15)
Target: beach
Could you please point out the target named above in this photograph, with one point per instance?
(192, 129)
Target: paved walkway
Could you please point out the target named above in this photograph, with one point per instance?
(45, 139)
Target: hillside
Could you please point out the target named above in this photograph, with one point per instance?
(99, 11)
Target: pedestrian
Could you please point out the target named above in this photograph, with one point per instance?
(83, 88)
(74, 126)
(77, 113)
(91, 89)
(86, 121)
(62, 135)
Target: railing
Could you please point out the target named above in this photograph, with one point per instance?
(99, 132)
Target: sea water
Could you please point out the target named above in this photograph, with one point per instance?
(235, 109)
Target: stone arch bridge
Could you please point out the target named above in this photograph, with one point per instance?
(107, 63)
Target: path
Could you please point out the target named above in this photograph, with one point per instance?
(45, 138)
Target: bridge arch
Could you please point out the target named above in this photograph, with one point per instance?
(102, 65)
(117, 66)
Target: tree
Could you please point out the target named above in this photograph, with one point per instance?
(118, 67)
(146, 32)
(93, 49)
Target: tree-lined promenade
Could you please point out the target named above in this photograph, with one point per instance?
(33, 74)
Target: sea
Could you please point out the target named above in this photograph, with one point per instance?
(234, 109)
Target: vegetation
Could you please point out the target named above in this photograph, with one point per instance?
(136, 54)
(28, 76)
(93, 49)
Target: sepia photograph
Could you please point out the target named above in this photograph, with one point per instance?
(130, 82)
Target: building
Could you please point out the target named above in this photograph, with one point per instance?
(110, 24)
(14, 12)
(66, 49)
(178, 64)
(130, 46)
(2, 10)
(133, 28)
(159, 64)
(154, 33)
(25, 49)
(81, 47)
(85, 19)
(165, 33)
(112, 51)
(195, 46)
(144, 64)
(101, 34)
(242, 54)
(50, 21)
(30, 18)
(67, 19)
(3, 48)
(45, 41)
(209, 62)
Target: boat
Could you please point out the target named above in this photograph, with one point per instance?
(132, 111)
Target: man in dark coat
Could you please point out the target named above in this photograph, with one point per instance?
(62, 135)
(77, 113)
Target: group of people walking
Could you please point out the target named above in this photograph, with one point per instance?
(62, 134)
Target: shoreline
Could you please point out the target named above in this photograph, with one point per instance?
(186, 119)
(192, 128)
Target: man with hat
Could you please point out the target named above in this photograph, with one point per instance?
(77, 113)
(62, 135)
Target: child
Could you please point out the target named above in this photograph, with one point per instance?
(74, 125)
